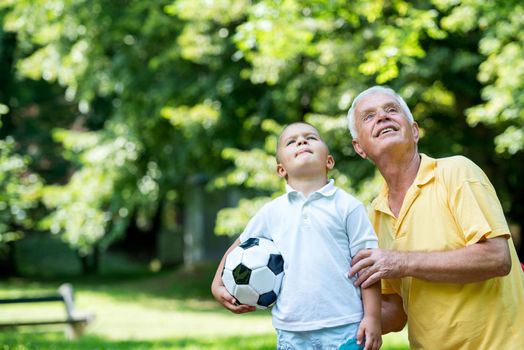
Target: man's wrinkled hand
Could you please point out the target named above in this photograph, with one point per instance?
(371, 265)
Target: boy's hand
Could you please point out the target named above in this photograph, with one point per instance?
(229, 302)
(370, 332)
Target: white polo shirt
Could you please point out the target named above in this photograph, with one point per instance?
(317, 237)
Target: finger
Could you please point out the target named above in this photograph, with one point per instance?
(241, 309)
(359, 266)
(375, 345)
(230, 300)
(363, 275)
(234, 306)
(374, 278)
(360, 335)
(361, 255)
(230, 306)
(370, 342)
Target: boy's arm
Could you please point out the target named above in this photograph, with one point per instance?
(369, 332)
(220, 292)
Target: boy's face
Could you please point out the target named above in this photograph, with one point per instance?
(302, 152)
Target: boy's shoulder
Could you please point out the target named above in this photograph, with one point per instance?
(346, 200)
(341, 193)
(275, 203)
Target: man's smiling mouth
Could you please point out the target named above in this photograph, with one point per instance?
(385, 131)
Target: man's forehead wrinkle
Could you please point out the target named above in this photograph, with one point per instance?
(384, 105)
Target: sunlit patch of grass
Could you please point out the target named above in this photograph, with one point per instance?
(56, 341)
(171, 309)
(396, 341)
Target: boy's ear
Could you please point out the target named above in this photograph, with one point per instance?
(358, 149)
(330, 162)
(281, 171)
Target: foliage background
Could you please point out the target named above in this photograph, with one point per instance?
(112, 111)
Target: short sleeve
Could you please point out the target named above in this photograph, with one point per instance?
(360, 232)
(257, 226)
(478, 212)
(387, 287)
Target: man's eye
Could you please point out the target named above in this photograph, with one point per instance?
(391, 110)
(368, 117)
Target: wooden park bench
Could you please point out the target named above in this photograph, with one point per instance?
(75, 321)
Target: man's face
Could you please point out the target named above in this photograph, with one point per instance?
(301, 152)
(381, 125)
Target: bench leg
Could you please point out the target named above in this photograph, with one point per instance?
(75, 330)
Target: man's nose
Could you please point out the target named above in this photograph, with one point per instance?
(381, 114)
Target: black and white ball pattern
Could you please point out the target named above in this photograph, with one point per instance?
(253, 272)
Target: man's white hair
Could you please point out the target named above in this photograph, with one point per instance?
(373, 90)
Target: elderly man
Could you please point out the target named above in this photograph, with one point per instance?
(447, 261)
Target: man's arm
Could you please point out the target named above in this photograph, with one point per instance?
(393, 316)
(220, 292)
(474, 263)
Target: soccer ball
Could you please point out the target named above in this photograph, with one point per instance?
(253, 272)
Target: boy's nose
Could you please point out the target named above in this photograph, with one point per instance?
(301, 141)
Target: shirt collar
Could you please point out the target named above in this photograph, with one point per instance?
(426, 172)
(327, 190)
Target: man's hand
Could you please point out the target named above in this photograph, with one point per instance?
(374, 264)
(229, 302)
(473, 263)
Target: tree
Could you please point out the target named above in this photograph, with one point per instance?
(19, 195)
(165, 91)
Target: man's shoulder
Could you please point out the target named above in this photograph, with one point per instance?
(453, 162)
(459, 167)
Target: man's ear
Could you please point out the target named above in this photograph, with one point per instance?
(330, 162)
(281, 171)
(416, 131)
(358, 149)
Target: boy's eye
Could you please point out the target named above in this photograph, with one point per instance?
(311, 137)
(290, 142)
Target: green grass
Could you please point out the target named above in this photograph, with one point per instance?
(141, 310)
(55, 341)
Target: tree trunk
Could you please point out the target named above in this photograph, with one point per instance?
(90, 262)
(8, 266)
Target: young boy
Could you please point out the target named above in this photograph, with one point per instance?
(318, 228)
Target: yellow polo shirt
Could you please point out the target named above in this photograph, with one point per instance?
(450, 205)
